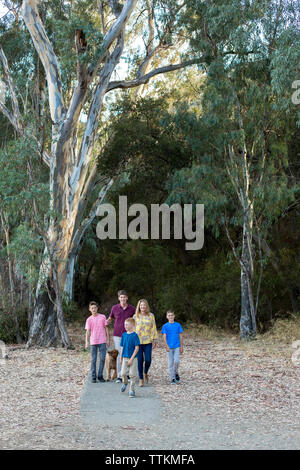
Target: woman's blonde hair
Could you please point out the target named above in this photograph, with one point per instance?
(138, 307)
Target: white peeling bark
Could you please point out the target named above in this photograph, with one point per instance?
(117, 27)
(29, 11)
(247, 320)
(13, 93)
(238, 171)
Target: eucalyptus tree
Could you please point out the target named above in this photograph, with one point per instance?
(80, 44)
(248, 121)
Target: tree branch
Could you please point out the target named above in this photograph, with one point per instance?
(81, 89)
(113, 33)
(12, 89)
(20, 131)
(81, 169)
(163, 43)
(85, 77)
(48, 58)
(9, 116)
(145, 78)
(118, 25)
(15, 117)
(100, 8)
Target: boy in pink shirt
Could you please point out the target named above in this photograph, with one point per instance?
(97, 332)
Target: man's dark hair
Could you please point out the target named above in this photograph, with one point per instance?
(122, 292)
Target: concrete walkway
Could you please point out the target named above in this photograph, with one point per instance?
(104, 403)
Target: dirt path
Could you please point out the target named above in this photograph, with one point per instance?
(232, 396)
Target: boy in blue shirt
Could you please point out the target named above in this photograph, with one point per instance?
(129, 348)
(172, 334)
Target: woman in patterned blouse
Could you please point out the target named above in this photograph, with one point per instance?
(145, 327)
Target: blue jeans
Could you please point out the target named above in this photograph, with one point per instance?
(94, 353)
(144, 359)
(173, 357)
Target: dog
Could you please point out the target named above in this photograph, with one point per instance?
(111, 364)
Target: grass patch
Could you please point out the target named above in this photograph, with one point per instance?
(208, 333)
(284, 330)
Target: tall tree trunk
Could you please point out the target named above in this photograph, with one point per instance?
(43, 328)
(238, 171)
(5, 226)
(47, 327)
(49, 330)
(57, 271)
(247, 319)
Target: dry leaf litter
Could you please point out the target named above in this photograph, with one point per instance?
(232, 395)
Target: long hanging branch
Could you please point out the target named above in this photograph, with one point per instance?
(84, 156)
(12, 89)
(47, 56)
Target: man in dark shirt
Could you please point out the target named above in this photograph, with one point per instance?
(119, 313)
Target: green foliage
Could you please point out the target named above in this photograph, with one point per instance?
(207, 294)
(71, 311)
(243, 48)
(146, 146)
(26, 247)
(80, 19)
(20, 190)
(17, 190)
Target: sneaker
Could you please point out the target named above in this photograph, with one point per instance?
(94, 381)
(101, 379)
(118, 381)
(131, 394)
(177, 378)
(123, 388)
(173, 382)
